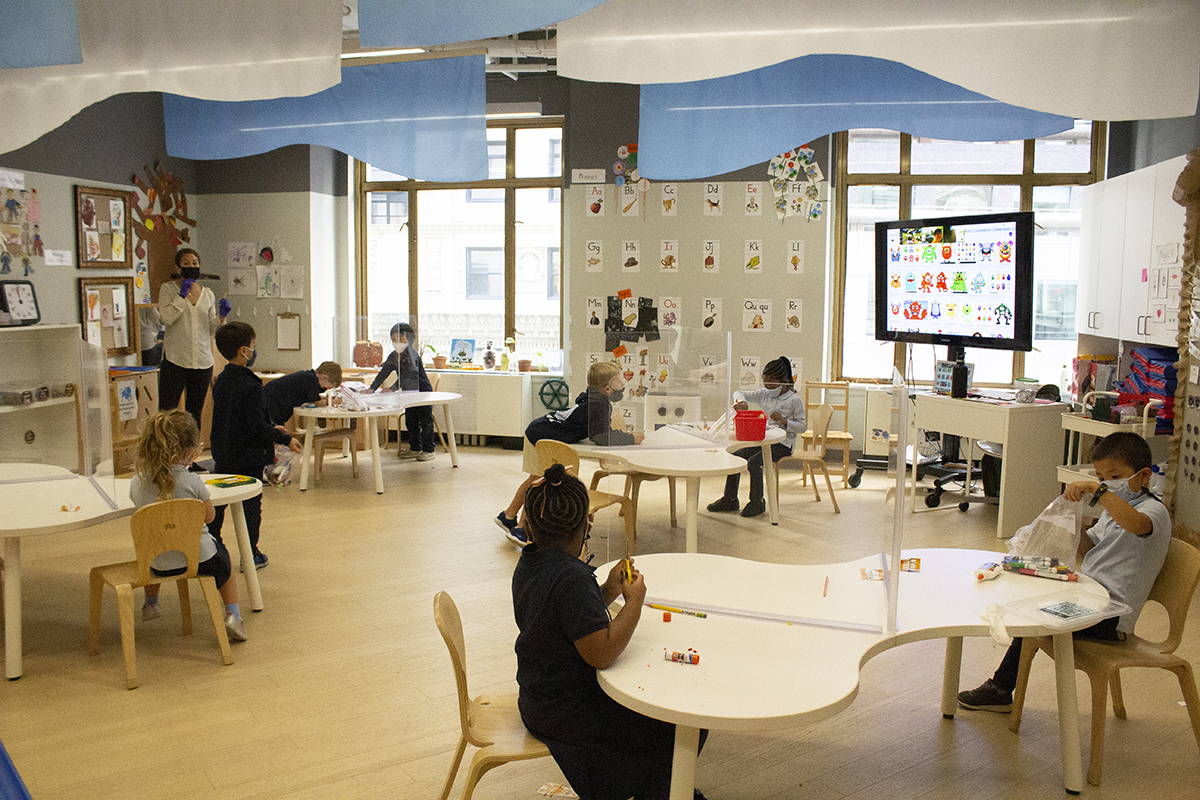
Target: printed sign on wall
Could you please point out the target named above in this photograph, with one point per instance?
(668, 255)
(712, 199)
(595, 256)
(631, 258)
(710, 313)
(795, 257)
(711, 257)
(670, 311)
(670, 195)
(756, 315)
(793, 315)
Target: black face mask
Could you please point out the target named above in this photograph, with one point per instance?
(190, 272)
(250, 361)
(616, 396)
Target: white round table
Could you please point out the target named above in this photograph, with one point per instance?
(387, 404)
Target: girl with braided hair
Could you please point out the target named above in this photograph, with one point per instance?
(784, 409)
(606, 751)
(167, 446)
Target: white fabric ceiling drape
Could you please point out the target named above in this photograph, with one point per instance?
(216, 50)
(1099, 59)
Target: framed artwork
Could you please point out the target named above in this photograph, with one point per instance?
(108, 314)
(103, 227)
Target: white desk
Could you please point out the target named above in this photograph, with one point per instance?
(1032, 439)
(690, 463)
(388, 404)
(756, 674)
(33, 496)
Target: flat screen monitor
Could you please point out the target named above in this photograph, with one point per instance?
(959, 281)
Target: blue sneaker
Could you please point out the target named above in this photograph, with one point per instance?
(260, 560)
(505, 523)
(517, 536)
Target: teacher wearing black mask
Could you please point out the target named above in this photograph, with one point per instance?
(190, 316)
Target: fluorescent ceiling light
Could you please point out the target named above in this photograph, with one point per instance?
(513, 110)
(404, 51)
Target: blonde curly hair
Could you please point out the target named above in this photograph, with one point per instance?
(167, 437)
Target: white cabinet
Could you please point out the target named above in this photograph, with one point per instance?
(493, 403)
(1130, 256)
(1100, 257)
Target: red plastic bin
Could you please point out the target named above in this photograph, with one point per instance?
(750, 426)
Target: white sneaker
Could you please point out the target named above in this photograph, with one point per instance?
(233, 627)
(151, 611)
(423, 456)
(409, 454)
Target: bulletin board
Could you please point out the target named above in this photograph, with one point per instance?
(103, 228)
(108, 314)
(706, 255)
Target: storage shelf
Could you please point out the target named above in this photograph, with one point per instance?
(1094, 427)
(54, 401)
(1076, 472)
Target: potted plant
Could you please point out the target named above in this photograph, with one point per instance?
(439, 360)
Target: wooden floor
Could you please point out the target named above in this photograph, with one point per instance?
(344, 688)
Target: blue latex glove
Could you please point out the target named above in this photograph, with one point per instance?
(185, 287)
(223, 308)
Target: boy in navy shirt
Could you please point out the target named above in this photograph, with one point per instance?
(243, 438)
(298, 388)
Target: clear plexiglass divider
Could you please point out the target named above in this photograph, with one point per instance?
(54, 409)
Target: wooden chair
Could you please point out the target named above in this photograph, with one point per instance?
(551, 452)
(490, 722)
(158, 528)
(1103, 661)
(838, 439)
(818, 419)
(633, 484)
(343, 435)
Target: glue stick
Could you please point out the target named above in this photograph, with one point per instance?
(988, 571)
(690, 657)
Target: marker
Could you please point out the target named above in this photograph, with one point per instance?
(700, 614)
(628, 571)
(825, 591)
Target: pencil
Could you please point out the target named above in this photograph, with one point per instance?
(825, 591)
(672, 609)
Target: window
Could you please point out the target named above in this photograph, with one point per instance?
(553, 273)
(485, 272)
(479, 261)
(389, 208)
(944, 178)
(497, 168)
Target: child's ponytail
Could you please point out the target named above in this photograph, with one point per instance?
(166, 437)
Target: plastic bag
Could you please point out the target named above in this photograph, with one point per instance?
(280, 473)
(1054, 534)
(348, 398)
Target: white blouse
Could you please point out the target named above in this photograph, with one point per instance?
(187, 328)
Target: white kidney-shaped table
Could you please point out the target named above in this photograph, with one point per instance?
(783, 645)
(40, 499)
(386, 404)
(675, 453)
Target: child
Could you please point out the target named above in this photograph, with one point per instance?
(784, 409)
(405, 361)
(168, 444)
(606, 751)
(297, 388)
(589, 418)
(243, 439)
(1123, 552)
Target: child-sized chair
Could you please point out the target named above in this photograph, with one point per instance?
(837, 438)
(1103, 661)
(158, 528)
(818, 420)
(490, 722)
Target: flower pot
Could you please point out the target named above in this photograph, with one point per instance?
(523, 364)
(439, 362)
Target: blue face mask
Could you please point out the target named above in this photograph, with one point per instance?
(250, 360)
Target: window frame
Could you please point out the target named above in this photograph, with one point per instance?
(905, 181)
(467, 266)
(510, 184)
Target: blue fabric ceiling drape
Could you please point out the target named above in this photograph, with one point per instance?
(39, 33)
(421, 23)
(705, 128)
(421, 119)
